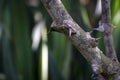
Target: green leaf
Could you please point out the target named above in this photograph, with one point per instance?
(8, 60)
(115, 4)
(22, 41)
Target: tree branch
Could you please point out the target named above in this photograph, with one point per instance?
(106, 16)
(106, 28)
(86, 45)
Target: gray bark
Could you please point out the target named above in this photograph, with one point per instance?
(105, 66)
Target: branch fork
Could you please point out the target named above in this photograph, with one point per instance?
(102, 65)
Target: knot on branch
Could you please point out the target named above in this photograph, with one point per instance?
(105, 28)
(64, 27)
(93, 42)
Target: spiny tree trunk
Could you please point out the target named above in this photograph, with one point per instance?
(105, 67)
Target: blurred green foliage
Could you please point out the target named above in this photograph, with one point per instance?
(18, 61)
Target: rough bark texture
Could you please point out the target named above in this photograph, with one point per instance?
(103, 66)
(108, 28)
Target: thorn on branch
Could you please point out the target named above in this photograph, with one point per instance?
(65, 27)
(50, 30)
(93, 42)
(70, 32)
(56, 27)
(68, 26)
(100, 28)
